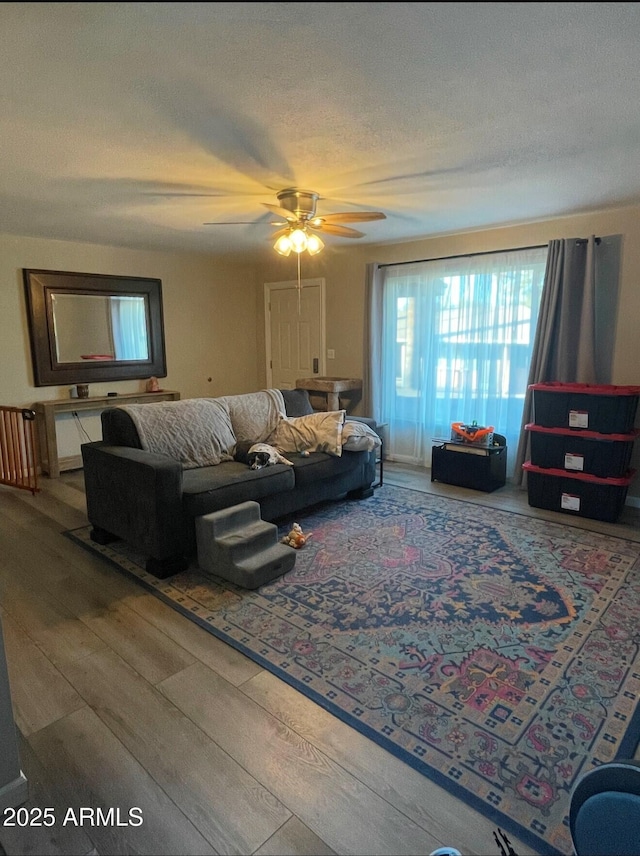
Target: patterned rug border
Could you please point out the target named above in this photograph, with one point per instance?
(627, 747)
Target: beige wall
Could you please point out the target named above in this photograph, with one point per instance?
(209, 316)
(344, 271)
(206, 334)
(214, 310)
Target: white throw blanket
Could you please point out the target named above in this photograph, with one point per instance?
(202, 432)
(358, 437)
(197, 431)
(254, 415)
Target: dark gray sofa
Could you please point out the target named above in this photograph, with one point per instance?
(151, 502)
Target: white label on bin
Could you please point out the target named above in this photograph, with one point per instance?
(578, 419)
(570, 502)
(573, 462)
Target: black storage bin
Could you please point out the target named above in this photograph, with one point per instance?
(576, 493)
(478, 469)
(604, 409)
(602, 455)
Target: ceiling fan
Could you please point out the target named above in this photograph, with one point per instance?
(302, 223)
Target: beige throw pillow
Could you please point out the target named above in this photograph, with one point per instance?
(316, 432)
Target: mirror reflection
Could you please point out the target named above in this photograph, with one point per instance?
(88, 327)
(99, 327)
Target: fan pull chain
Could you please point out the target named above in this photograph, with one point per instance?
(299, 287)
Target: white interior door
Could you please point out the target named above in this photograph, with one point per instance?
(295, 331)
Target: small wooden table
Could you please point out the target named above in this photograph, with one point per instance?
(46, 412)
(331, 387)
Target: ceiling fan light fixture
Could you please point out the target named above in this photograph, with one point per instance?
(283, 245)
(299, 240)
(314, 245)
(298, 208)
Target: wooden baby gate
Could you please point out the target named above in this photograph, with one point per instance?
(18, 464)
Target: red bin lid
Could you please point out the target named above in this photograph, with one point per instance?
(588, 388)
(625, 481)
(630, 437)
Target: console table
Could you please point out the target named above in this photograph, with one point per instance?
(46, 412)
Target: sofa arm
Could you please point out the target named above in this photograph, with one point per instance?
(137, 496)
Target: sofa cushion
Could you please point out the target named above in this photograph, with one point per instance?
(211, 488)
(319, 466)
(297, 402)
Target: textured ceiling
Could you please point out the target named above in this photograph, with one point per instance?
(134, 123)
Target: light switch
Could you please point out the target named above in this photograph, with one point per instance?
(331, 354)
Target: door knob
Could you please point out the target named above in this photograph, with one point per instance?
(315, 365)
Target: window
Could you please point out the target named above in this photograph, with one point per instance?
(129, 324)
(456, 342)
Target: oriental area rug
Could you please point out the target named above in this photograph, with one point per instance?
(495, 653)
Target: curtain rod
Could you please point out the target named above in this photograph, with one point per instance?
(485, 253)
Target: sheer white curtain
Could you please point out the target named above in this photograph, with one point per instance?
(451, 341)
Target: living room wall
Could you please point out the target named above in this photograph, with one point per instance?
(215, 330)
(344, 271)
(210, 344)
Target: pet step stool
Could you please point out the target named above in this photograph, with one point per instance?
(237, 545)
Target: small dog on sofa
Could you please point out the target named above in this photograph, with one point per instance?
(263, 455)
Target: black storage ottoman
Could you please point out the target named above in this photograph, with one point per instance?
(475, 468)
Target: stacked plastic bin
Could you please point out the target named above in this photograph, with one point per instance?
(581, 445)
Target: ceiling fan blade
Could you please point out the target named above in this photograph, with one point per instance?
(353, 217)
(297, 211)
(342, 231)
(277, 209)
(277, 234)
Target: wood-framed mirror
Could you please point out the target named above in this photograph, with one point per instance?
(88, 327)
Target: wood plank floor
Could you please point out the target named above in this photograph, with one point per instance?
(120, 702)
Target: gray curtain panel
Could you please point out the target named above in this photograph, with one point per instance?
(372, 361)
(564, 349)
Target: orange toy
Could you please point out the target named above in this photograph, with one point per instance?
(471, 433)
